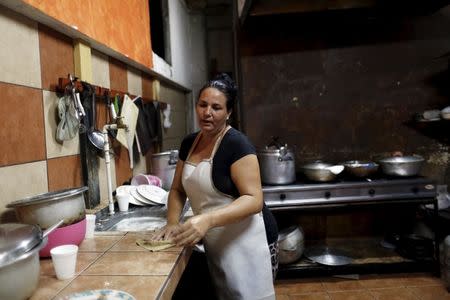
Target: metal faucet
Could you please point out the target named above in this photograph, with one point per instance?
(115, 126)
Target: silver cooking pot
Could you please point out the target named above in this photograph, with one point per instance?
(291, 244)
(402, 165)
(164, 165)
(320, 171)
(19, 258)
(277, 165)
(48, 208)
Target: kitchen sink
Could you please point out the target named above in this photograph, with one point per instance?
(137, 218)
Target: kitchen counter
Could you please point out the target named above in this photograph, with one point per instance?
(113, 260)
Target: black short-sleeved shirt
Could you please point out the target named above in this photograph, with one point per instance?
(233, 147)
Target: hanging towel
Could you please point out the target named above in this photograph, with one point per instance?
(154, 120)
(69, 124)
(130, 113)
(142, 127)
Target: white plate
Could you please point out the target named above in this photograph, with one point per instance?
(100, 294)
(152, 193)
(128, 189)
(140, 198)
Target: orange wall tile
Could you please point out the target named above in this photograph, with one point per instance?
(56, 54)
(118, 75)
(147, 86)
(64, 172)
(22, 134)
(122, 163)
(123, 26)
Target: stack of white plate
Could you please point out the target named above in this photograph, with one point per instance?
(145, 194)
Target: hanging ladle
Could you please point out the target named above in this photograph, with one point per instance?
(95, 136)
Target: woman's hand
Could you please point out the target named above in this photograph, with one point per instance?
(193, 230)
(167, 233)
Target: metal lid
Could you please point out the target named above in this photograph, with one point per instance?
(52, 196)
(327, 256)
(17, 239)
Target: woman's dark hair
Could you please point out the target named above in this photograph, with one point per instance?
(226, 85)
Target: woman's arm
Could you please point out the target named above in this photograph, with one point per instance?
(177, 196)
(246, 176)
(175, 205)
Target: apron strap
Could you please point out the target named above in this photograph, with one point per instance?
(219, 139)
(216, 145)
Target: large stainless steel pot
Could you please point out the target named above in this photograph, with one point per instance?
(164, 165)
(277, 165)
(47, 209)
(291, 244)
(320, 171)
(19, 259)
(402, 165)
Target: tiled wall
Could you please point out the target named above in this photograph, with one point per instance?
(32, 58)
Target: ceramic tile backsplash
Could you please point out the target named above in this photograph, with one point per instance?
(64, 172)
(178, 128)
(32, 59)
(102, 179)
(118, 75)
(122, 161)
(176, 99)
(147, 86)
(140, 166)
(56, 55)
(170, 144)
(22, 181)
(23, 134)
(51, 118)
(19, 50)
(134, 81)
(100, 69)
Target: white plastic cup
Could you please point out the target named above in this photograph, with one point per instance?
(64, 260)
(90, 226)
(123, 200)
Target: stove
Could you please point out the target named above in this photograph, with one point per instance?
(344, 192)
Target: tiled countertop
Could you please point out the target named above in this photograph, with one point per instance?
(112, 260)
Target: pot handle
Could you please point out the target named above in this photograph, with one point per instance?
(284, 156)
(51, 228)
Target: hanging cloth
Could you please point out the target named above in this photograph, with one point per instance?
(69, 123)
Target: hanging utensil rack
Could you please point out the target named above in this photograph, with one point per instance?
(100, 91)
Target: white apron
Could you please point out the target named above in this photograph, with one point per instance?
(238, 254)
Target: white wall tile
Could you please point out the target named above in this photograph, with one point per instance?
(102, 179)
(51, 121)
(178, 128)
(20, 181)
(100, 69)
(171, 144)
(134, 81)
(19, 50)
(140, 167)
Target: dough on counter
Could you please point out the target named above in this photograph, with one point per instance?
(153, 245)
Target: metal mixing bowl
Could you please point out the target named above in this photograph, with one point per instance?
(402, 165)
(319, 171)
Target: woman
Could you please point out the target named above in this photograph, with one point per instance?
(218, 171)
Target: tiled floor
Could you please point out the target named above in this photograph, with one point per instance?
(412, 286)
